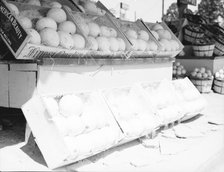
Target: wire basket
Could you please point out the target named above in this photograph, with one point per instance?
(203, 50)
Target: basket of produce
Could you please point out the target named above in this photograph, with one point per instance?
(219, 45)
(202, 79)
(204, 48)
(193, 33)
(179, 71)
(213, 30)
(195, 19)
(218, 85)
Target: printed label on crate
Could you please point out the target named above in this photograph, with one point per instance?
(10, 30)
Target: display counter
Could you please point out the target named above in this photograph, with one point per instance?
(19, 78)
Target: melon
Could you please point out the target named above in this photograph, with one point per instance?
(142, 45)
(57, 14)
(113, 32)
(55, 4)
(84, 28)
(67, 26)
(164, 34)
(152, 46)
(93, 43)
(130, 33)
(157, 26)
(46, 22)
(13, 8)
(101, 12)
(74, 125)
(66, 40)
(114, 44)
(94, 29)
(79, 41)
(165, 44)
(52, 106)
(70, 105)
(104, 31)
(155, 34)
(34, 36)
(174, 44)
(143, 35)
(134, 44)
(122, 45)
(25, 22)
(90, 6)
(49, 37)
(33, 2)
(103, 43)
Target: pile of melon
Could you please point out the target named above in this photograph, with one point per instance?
(51, 28)
(129, 108)
(88, 6)
(139, 38)
(164, 37)
(100, 36)
(83, 123)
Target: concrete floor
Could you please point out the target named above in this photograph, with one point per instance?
(15, 155)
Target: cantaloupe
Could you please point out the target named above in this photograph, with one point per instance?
(25, 22)
(94, 29)
(13, 8)
(66, 40)
(49, 37)
(57, 14)
(130, 33)
(67, 26)
(79, 41)
(46, 22)
(122, 45)
(114, 44)
(90, 6)
(103, 44)
(143, 35)
(104, 31)
(70, 105)
(152, 46)
(164, 34)
(84, 28)
(142, 45)
(113, 32)
(157, 26)
(34, 36)
(33, 2)
(93, 43)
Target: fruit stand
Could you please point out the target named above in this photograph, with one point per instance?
(91, 81)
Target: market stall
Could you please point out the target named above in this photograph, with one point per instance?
(91, 90)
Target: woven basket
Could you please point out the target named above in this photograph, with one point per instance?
(219, 46)
(203, 86)
(203, 50)
(195, 19)
(218, 86)
(192, 36)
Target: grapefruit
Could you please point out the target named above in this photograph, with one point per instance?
(34, 36)
(79, 41)
(93, 43)
(143, 35)
(25, 22)
(57, 14)
(131, 34)
(49, 37)
(13, 8)
(46, 22)
(103, 43)
(66, 40)
(114, 44)
(104, 31)
(94, 29)
(67, 26)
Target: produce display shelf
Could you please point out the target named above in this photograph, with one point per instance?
(104, 61)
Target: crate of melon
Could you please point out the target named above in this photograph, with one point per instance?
(143, 43)
(170, 45)
(106, 40)
(76, 125)
(41, 32)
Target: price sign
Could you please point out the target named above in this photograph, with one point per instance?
(10, 30)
